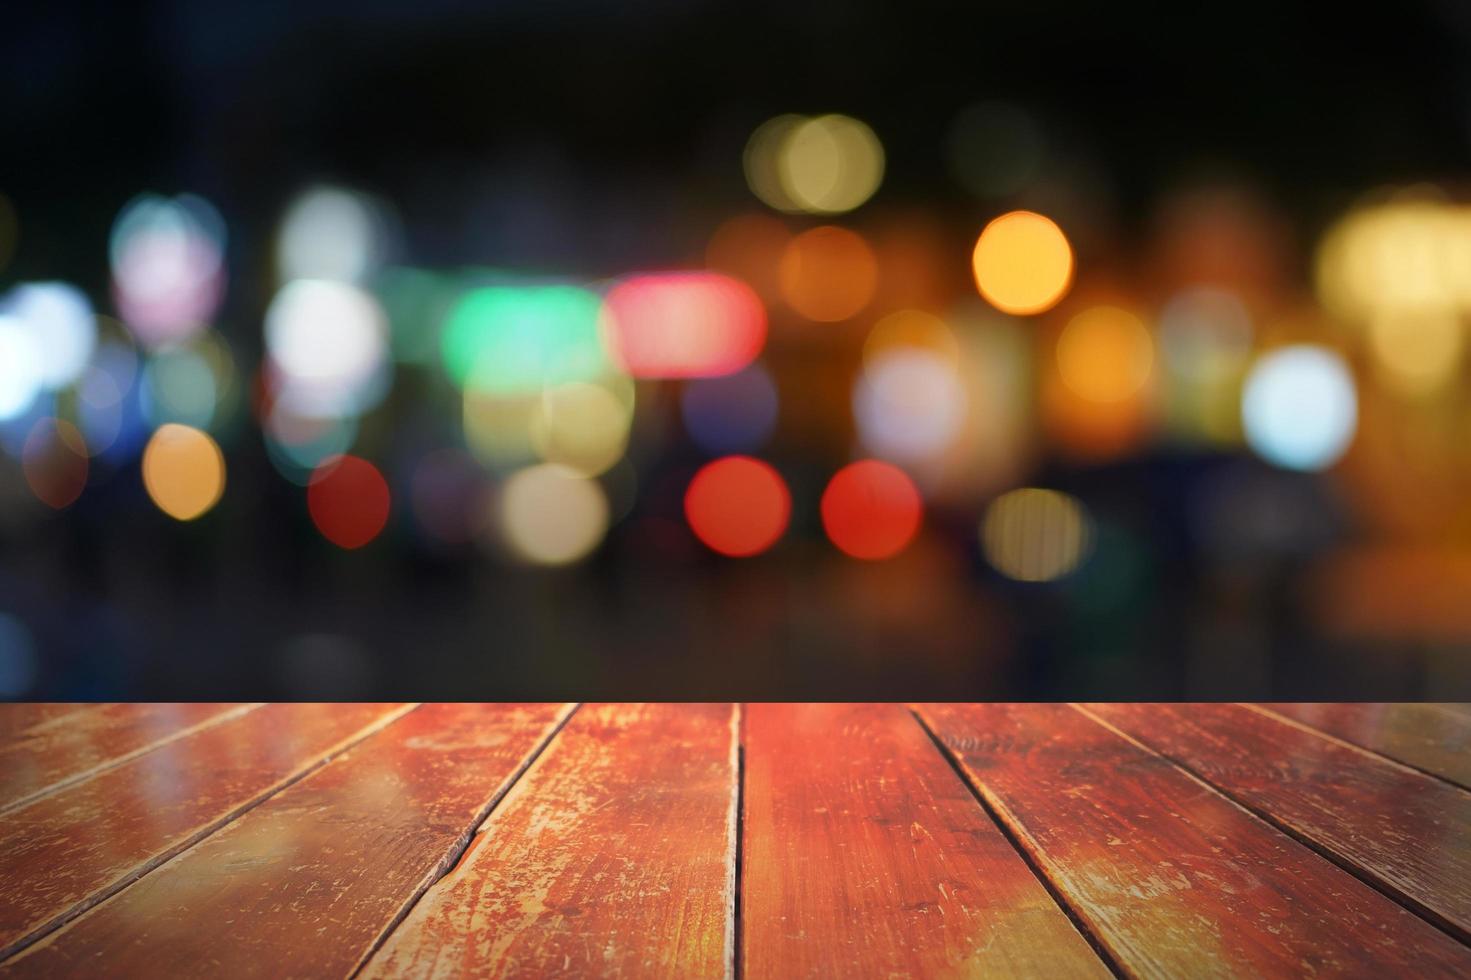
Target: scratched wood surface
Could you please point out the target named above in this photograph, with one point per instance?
(43, 757)
(613, 856)
(1174, 879)
(306, 883)
(1400, 828)
(1435, 738)
(631, 841)
(68, 850)
(866, 855)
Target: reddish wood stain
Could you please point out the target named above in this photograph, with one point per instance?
(866, 855)
(613, 856)
(1408, 832)
(68, 850)
(1432, 737)
(17, 720)
(71, 747)
(306, 883)
(1172, 878)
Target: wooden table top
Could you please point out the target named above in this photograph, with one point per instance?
(717, 840)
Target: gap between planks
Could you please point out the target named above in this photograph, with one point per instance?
(83, 775)
(470, 839)
(1011, 829)
(1266, 817)
(184, 846)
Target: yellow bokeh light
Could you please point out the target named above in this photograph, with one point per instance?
(552, 515)
(1405, 256)
(829, 164)
(761, 161)
(912, 328)
(1035, 535)
(183, 471)
(1417, 352)
(1023, 263)
(1105, 354)
(582, 426)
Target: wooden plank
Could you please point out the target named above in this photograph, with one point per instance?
(72, 747)
(1171, 877)
(17, 718)
(614, 856)
(64, 852)
(866, 855)
(307, 883)
(1431, 737)
(1405, 831)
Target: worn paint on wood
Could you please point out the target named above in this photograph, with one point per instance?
(45, 757)
(1433, 737)
(613, 856)
(306, 883)
(1174, 879)
(866, 855)
(68, 850)
(17, 719)
(1409, 833)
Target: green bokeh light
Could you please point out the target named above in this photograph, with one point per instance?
(518, 339)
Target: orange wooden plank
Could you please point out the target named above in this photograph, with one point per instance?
(866, 855)
(309, 881)
(17, 718)
(45, 757)
(1404, 830)
(614, 856)
(1173, 878)
(66, 851)
(1432, 737)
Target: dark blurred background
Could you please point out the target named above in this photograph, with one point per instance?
(1225, 454)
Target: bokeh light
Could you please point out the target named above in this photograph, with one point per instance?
(1105, 354)
(168, 272)
(683, 324)
(871, 510)
(829, 164)
(335, 234)
(179, 385)
(582, 426)
(183, 471)
(1417, 352)
(1299, 407)
(55, 462)
(512, 340)
(328, 347)
(298, 444)
(762, 161)
(731, 414)
(1405, 255)
(63, 329)
(1035, 535)
(738, 506)
(828, 273)
(911, 329)
(908, 404)
(552, 515)
(20, 368)
(448, 494)
(1205, 333)
(348, 500)
(1023, 263)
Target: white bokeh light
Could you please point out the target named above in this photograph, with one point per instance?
(908, 404)
(61, 325)
(20, 368)
(329, 343)
(1299, 407)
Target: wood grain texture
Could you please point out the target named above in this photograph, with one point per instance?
(71, 747)
(613, 856)
(1174, 879)
(17, 718)
(66, 851)
(1409, 833)
(305, 884)
(1432, 737)
(866, 855)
